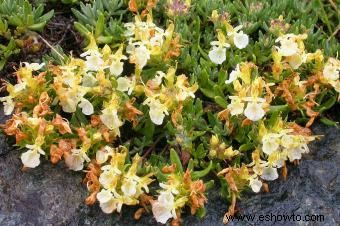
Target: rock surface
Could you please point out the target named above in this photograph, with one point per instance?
(53, 195)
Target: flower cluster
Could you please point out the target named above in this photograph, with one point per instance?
(119, 184)
(146, 41)
(250, 99)
(178, 191)
(233, 35)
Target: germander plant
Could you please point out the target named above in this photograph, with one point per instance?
(183, 91)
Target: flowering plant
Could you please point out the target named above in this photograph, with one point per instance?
(164, 99)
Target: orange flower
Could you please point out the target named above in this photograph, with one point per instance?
(286, 94)
(92, 182)
(42, 108)
(197, 197)
(299, 130)
(177, 115)
(197, 188)
(108, 137)
(83, 137)
(133, 7)
(169, 169)
(55, 154)
(64, 146)
(62, 125)
(19, 136)
(246, 122)
(67, 145)
(95, 120)
(174, 49)
(11, 125)
(131, 112)
(151, 4)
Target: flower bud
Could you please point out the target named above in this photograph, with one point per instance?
(214, 140)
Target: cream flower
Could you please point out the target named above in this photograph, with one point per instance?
(19, 87)
(254, 111)
(218, 54)
(331, 69)
(157, 110)
(234, 75)
(31, 158)
(255, 184)
(270, 143)
(126, 84)
(107, 201)
(139, 54)
(94, 61)
(296, 153)
(236, 107)
(241, 40)
(288, 45)
(269, 173)
(108, 178)
(8, 104)
(34, 66)
(111, 120)
(116, 67)
(288, 141)
(89, 80)
(158, 78)
(70, 101)
(103, 154)
(86, 106)
(164, 208)
(296, 60)
(75, 160)
(129, 187)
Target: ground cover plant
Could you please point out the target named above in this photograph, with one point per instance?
(165, 99)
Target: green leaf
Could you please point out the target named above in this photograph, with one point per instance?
(246, 147)
(209, 185)
(198, 174)
(148, 129)
(100, 25)
(200, 152)
(201, 212)
(328, 122)
(208, 92)
(174, 158)
(221, 101)
(37, 27)
(190, 165)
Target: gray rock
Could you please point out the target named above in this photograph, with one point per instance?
(53, 195)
